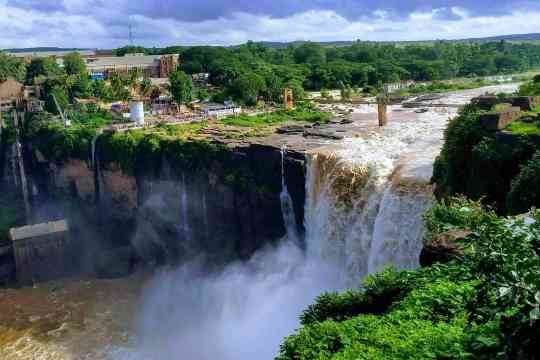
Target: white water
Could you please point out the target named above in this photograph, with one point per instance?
(363, 211)
(287, 209)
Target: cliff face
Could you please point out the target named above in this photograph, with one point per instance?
(224, 208)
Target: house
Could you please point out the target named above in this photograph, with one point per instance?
(11, 93)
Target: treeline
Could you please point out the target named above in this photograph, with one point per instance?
(314, 66)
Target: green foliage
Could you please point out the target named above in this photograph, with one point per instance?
(11, 67)
(482, 306)
(451, 169)
(58, 143)
(247, 87)
(74, 64)
(525, 190)
(474, 163)
(43, 67)
(301, 113)
(524, 128)
(311, 66)
(181, 87)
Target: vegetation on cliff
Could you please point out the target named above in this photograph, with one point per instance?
(482, 305)
(476, 163)
(57, 142)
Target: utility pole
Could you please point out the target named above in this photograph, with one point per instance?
(130, 33)
(67, 122)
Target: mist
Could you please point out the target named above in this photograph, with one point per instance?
(242, 312)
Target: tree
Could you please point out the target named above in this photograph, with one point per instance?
(61, 96)
(181, 87)
(74, 64)
(11, 67)
(45, 66)
(247, 87)
(297, 89)
(203, 95)
(81, 87)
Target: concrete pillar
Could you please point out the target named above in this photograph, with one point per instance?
(42, 252)
(383, 118)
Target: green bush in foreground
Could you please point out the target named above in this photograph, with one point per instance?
(525, 190)
(484, 305)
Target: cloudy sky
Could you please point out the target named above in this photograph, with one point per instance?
(105, 23)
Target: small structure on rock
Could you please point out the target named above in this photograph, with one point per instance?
(498, 120)
(288, 101)
(382, 105)
(42, 252)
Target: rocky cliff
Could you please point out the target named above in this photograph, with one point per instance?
(224, 202)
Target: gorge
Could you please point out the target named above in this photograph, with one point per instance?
(248, 236)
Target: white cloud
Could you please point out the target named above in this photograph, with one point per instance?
(23, 28)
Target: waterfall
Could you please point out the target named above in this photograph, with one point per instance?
(341, 208)
(94, 142)
(366, 197)
(184, 203)
(287, 209)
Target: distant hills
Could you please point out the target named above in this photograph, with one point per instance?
(513, 38)
(42, 49)
(275, 44)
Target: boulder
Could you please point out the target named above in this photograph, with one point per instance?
(290, 129)
(323, 134)
(444, 247)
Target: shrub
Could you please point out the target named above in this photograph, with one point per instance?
(525, 189)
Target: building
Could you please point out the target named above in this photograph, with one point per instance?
(150, 66)
(393, 87)
(57, 54)
(218, 111)
(11, 92)
(167, 65)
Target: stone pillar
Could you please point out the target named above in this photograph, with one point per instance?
(383, 118)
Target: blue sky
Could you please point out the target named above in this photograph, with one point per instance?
(104, 23)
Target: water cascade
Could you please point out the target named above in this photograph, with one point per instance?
(184, 209)
(287, 210)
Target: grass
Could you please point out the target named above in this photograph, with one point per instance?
(523, 128)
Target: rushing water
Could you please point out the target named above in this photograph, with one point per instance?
(365, 198)
(364, 203)
(287, 209)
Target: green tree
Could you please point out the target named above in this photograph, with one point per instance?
(248, 86)
(181, 87)
(61, 96)
(46, 67)
(74, 64)
(11, 67)
(203, 95)
(82, 87)
(101, 90)
(297, 89)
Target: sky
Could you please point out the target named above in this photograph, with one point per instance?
(105, 23)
